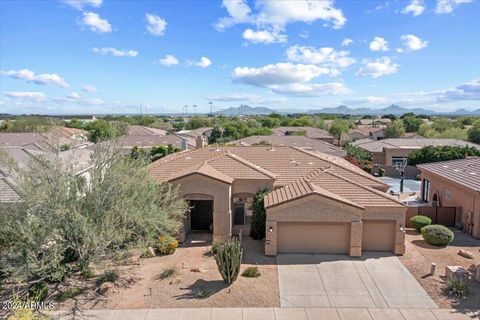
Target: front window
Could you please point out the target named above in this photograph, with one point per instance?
(239, 214)
(425, 190)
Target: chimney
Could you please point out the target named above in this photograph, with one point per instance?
(199, 142)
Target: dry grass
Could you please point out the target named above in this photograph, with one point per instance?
(420, 255)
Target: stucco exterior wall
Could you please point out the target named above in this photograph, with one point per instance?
(378, 157)
(452, 194)
(396, 152)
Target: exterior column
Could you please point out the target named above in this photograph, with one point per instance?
(399, 242)
(356, 228)
(271, 238)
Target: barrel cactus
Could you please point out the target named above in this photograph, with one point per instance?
(229, 258)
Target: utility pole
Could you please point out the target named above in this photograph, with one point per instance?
(186, 110)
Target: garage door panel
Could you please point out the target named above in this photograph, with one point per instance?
(313, 238)
(378, 235)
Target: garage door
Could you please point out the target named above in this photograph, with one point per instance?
(378, 235)
(313, 238)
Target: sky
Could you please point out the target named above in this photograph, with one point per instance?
(118, 56)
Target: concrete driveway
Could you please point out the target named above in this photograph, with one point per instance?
(376, 280)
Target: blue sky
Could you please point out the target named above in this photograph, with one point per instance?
(94, 56)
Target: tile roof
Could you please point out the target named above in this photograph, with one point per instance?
(36, 141)
(365, 130)
(287, 164)
(294, 141)
(203, 169)
(380, 145)
(149, 141)
(144, 131)
(465, 172)
(7, 194)
(310, 132)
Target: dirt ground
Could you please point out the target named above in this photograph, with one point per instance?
(420, 255)
(140, 287)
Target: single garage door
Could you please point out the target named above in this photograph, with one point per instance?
(378, 235)
(313, 238)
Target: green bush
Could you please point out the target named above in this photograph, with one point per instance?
(259, 216)
(229, 259)
(108, 276)
(215, 246)
(69, 293)
(437, 235)
(166, 244)
(251, 272)
(420, 221)
(168, 272)
(38, 291)
(457, 288)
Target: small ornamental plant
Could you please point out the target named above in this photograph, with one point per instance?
(166, 244)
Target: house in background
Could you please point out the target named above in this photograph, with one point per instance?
(455, 184)
(319, 204)
(145, 131)
(309, 132)
(373, 123)
(41, 141)
(191, 135)
(363, 133)
(301, 142)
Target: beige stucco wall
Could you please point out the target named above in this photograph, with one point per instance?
(396, 152)
(378, 157)
(319, 209)
(452, 194)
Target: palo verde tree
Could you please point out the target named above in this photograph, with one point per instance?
(66, 222)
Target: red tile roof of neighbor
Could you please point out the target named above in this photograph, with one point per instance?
(285, 165)
(465, 172)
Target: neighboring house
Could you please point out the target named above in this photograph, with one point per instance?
(145, 131)
(320, 203)
(302, 142)
(364, 133)
(126, 143)
(310, 132)
(70, 133)
(389, 152)
(455, 184)
(413, 135)
(191, 135)
(7, 193)
(378, 123)
(39, 141)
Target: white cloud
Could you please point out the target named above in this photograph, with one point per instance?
(244, 97)
(73, 95)
(204, 62)
(26, 95)
(370, 100)
(277, 14)
(156, 25)
(116, 52)
(80, 4)
(168, 60)
(379, 44)
(415, 7)
(280, 73)
(304, 34)
(447, 6)
(305, 89)
(377, 68)
(264, 36)
(95, 23)
(326, 56)
(346, 42)
(467, 91)
(89, 88)
(413, 42)
(30, 76)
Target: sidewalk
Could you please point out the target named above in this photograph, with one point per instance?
(268, 314)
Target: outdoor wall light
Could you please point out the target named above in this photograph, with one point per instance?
(402, 228)
(270, 230)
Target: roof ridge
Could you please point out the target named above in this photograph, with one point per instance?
(386, 196)
(251, 165)
(316, 155)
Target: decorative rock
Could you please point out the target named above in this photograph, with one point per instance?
(105, 287)
(176, 280)
(465, 253)
(455, 272)
(151, 252)
(202, 270)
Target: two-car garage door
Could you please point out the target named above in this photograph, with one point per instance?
(313, 237)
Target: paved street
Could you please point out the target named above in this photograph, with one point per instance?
(377, 280)
(270, 314)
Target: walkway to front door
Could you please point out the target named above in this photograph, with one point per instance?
(375, 280)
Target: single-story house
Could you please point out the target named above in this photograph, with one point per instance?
(301, 142)
(455, 183)
(40, 141)
(378, 122)
(389, 152)
(126, 143)
(310, 132)
(319, 203)
(364, 133)
(145, 131)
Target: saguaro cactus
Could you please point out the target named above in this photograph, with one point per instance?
(229, 259)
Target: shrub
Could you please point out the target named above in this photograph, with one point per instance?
(203, 293)
(457, 288)
(229, 259)
(87, 274)
(420, 221)
(259, 216)
(215, 246)
(168, 272)
(38, 291)
(108, 276)
(69, 293)
(166, 244)
(437, 235)
(251, 272)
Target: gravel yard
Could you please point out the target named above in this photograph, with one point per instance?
(420, 255)
(141, 287)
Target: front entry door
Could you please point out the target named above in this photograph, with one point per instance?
(201, 214)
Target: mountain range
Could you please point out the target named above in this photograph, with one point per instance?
(344, 110)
